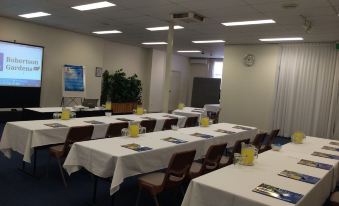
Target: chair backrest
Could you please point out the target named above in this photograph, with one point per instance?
(237, 148)
(191, 121)
(149, 125)
(77, 134)
(169, 122)
(178, 168)
(212, 158)
(114, 129)
(271, 138)
(213, 116)
(259, 140)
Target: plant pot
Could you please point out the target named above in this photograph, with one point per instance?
(118, 108)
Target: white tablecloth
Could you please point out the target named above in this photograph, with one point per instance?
(106, 158)
(212, 107)
(59, 109)
(24, 136)
(233, 185)
(189, 112)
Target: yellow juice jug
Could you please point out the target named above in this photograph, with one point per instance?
(204, 121)
(65, 114)
(181, 106)
(298, 137)
(133, 130)
(248, 153)
(140, 111)
(108, 105)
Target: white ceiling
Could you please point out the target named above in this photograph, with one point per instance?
(133, 16)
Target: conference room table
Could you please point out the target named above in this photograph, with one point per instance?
(24, 136)
(108, 158)
(233, 185)
(190, 112)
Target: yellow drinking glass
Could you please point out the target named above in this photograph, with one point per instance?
(140, 111)
(248, 156)
(133, 130)
(65, 114)
(298, 137)
(108, 105)
(181, 106)
(204, 121)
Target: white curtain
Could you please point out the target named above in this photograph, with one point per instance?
(307, 88)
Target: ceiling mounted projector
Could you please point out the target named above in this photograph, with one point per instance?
(188, 17)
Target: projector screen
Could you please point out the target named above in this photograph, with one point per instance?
(20, 65)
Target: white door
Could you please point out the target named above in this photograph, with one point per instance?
(174, 97)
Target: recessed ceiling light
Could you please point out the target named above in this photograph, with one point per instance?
(97, 5)
(208, 41)
(161, 28)
(34, 15)
(154, 43)
(189, 51)
(107, 32)
(283, 39)
(242, 23)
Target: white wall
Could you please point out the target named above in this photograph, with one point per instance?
(247, 94)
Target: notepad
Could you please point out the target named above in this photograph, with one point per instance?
(94, 122)
(136, 147)
(315, 164)
(299, 176)
(55, 125)
(330, 148)
(174, 140)
(225, 131)
(124, 119)
(242, 127)
(205, 136)
(278, 193)
(325, 155)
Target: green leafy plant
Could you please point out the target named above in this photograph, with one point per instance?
(119, 88)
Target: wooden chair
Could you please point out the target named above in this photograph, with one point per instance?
(169, 122)
(334, 199)
(269, 141)
(211, 161)
(149, 125)
(75, 134)
(175, 174)
(191, 122)
(259, 140)
(225, 161)
(114, 129)
(213, 116)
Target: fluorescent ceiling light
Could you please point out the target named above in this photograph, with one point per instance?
(34, 15)
(208, 41)
(189, 51)
(98, 5)
(241, 23)
(283, 39)
(107, 32)
(161, 28)
(154, 43)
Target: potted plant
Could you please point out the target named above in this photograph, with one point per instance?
(124, 92)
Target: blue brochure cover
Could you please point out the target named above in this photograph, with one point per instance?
(278, 193)
(174, 140)
(94, 122)
(315, 164)
(136, 147)
(325, 155)
(225, 131)
(55, 125)
(242, 127)
(205, 136)
(299, 176)
(330, 148)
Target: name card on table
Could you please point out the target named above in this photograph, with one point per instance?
(299, 177)
(225, 131)
(124, 119)
(136, 147)
(278, 193)
(174, 140)
(330, 148)
(334, 143)
(56, 125)
(315, 164)
(205, 136)
(242, 127)
(329, 156)
(94, 122)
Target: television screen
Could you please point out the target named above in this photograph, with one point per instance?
(20, 65)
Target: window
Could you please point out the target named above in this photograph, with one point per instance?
(217, 69)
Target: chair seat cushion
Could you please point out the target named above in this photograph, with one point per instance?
(154, 179)
(224, 161)
(195, 170)
(57, 151)
(335, 198)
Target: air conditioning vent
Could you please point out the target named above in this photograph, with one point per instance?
(188, 17)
